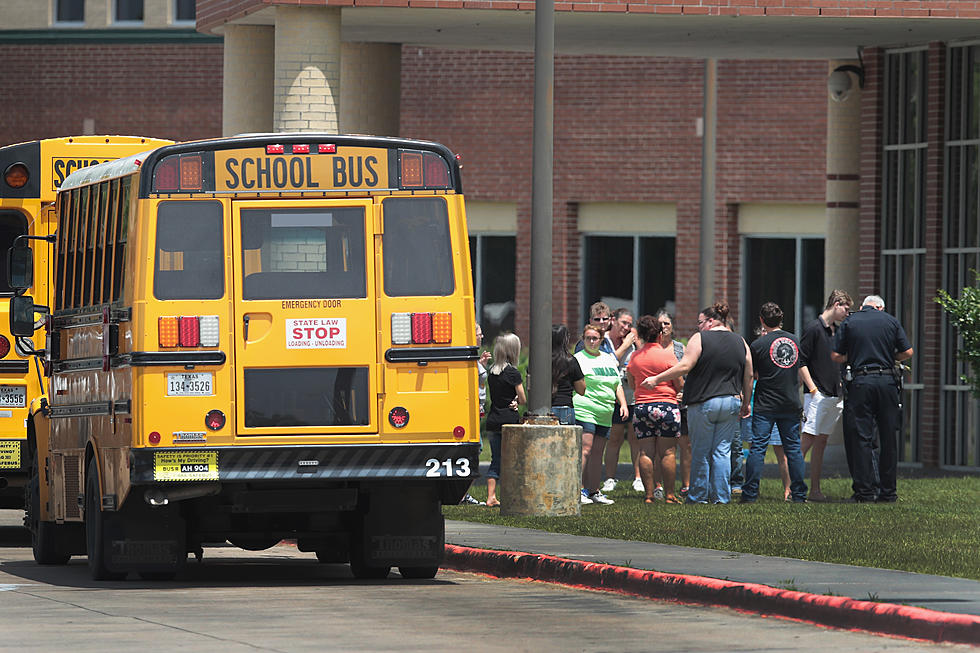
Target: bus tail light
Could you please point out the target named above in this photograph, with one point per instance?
(4, 346)
(422, 170)
(442, 328)
(167, 332)
(189, 331)
(459, 432)
(401, 328)
(421, 328)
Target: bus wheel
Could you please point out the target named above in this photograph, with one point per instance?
(418, 572)
(44, 535)
(361, 570)
(95, 528)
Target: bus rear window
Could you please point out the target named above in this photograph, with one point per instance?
(12, 224)
(418, 255)
(190, 251)
(303, 253)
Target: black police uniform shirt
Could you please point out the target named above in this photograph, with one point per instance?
(776, 361)
(816, 343)
(871, 338)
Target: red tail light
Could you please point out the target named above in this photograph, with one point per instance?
(214, 420)
(189, 333)
(421, 328)
(4, 346)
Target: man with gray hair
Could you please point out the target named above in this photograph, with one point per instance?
(872, 342)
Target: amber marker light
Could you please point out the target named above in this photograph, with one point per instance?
(16, 175)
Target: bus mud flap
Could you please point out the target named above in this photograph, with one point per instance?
(403, 527)
(144, 538)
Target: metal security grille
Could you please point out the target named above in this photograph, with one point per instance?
(72, 486)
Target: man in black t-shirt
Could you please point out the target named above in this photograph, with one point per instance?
(776, 362)
(822, 401)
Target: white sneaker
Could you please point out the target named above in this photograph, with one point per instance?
(637, 485)
(609, 485)
(586, 499)
(658, 494)
(599, 497)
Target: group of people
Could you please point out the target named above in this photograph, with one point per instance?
(629, 380)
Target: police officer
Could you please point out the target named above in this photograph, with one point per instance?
(872, 342)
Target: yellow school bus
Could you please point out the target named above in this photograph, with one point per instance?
(252, 339)
(32, 172)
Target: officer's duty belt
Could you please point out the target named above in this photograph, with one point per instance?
(863, 371)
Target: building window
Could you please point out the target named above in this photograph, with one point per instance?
(184, 11)
(494, 261)
(788, 271)
(903, 217)
(128, 11)
(959, 410)
(635, 272)
(69, 11)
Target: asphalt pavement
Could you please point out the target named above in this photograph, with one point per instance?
(879, 600)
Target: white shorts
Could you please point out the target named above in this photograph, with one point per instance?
(820, 413)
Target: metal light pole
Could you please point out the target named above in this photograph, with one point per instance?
(542, 203)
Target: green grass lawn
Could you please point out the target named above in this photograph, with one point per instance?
(933, 529)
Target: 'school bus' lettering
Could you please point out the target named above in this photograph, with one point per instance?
(348, 168)
(242, 352)
(62, 167)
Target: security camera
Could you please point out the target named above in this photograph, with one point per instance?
(839, 85)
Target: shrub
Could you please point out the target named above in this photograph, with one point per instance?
(964, 314)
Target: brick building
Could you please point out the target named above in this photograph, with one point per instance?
(876, 193)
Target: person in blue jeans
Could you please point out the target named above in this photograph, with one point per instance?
(719, 375)
(776, 361)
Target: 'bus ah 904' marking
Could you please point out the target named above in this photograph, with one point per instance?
(299, 172)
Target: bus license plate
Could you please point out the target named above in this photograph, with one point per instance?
(190, 384)
(13, 396)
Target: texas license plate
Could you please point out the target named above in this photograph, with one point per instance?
(13, 396)
(190, 384)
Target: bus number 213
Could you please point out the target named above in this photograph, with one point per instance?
(447, 467)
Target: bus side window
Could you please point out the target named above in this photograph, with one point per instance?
(12, 224)
(417, 250)
(189, 250)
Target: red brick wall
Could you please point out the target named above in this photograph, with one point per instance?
(625, 130)
(168, 90)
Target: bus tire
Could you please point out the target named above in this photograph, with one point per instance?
(95, 528)
(362, 570)
(45, 542)
(418, 572)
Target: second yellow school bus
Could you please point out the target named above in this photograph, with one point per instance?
(258, 338)
(30, 174)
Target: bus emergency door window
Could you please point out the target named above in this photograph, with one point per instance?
(190, 251)
(12, 224)
(303, 253)
(418, 257)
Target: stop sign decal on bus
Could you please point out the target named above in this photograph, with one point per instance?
(316, 333)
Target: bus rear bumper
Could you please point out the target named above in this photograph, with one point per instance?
(303, 464)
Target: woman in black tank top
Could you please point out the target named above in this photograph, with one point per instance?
(718, 365)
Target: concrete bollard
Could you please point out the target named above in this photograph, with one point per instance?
(541, 468)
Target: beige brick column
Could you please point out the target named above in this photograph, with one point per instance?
(842, 243)
(249, 74)
(843, 240)
(307, 69)
(370, 83)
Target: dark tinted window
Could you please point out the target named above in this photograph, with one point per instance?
(12, 224)
(322, 396)
(418, 255)
(303, 253)
(70, 11)
(129, 10)
(189, 251)
(184, 9)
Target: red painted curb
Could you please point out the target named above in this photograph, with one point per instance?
(837, 611)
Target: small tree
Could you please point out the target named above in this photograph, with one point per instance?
(964, 314)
